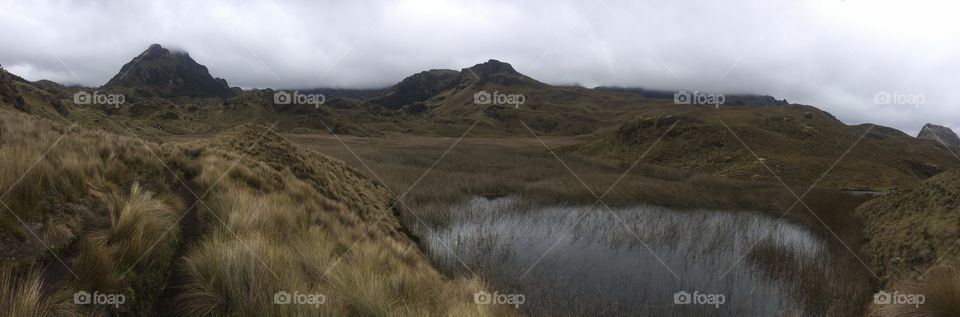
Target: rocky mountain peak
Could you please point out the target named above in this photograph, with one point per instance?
(492, 67)
(155, 50)
(164, 73)
(497, 72)
(941, 133)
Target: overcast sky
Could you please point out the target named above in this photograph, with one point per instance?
(834, 54)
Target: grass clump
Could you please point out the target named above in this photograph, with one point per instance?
(23, 296)
(941, 293)
(133, 254)
(138, 222)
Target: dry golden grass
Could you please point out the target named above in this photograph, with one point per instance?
(913, 229)
(132, 255)
(22, 296)
(95, 266)
(292, 220)
(283, 233)
(23, 174)
(941, 291)
(68, 187)
(137, 221)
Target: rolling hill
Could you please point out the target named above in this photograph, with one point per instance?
(798, 143)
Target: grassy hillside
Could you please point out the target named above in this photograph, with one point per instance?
(912, 236)
(910, 231)
(799, 143)
(124, 216)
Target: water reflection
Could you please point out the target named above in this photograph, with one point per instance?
(570, 261)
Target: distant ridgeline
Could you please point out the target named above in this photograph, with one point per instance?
(731, 99)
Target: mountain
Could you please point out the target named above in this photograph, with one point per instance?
(939, 133)
(497, 72)
(799, 143)
(446, 102)
(909, 231)
(422, 86)
(163, 73)
(417, 88)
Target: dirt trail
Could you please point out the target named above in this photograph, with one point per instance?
(190, 231)
(56, 274)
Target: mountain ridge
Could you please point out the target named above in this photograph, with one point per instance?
(423, 102)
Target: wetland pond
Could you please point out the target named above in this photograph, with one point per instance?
(636, 261)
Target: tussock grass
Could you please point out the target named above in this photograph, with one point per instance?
(69, 187)
(302, 223)
(276, 218)
(23, 177)
(22, 296)
(95, 266)
(137, 221)
(941, 290)
(133, 253)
